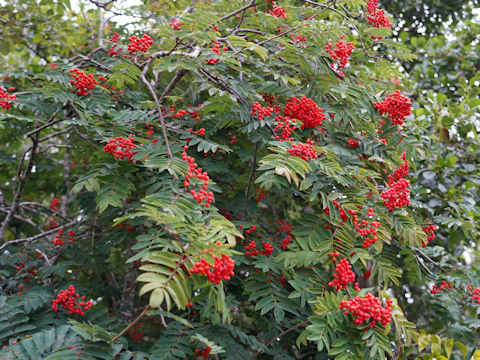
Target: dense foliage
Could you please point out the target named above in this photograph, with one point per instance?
(237, 180)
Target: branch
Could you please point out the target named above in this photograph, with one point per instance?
(159, 110)
(251, 4)
(39, 236)
(129, 326)
(223, 84)
(23, 180)
(327, 7)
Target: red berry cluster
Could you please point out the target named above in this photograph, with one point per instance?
(299, 39)
(305, 110)
(442, 287)
(397, 107)
(286, 228)
(402, 171)
(221, 270)
(368, 309)
(68, 300)
(5, 97)
(199, 132)
(83, 83)
(216, 50)
(260, 195)
(52, 224)
(475, 294)
(137, 334)
(367, 229)
(55, 202)
(112, 51)
(343, 275)
(58, 238)
(303, 150)
(195, 171)
(278, 12)
(376, 16)
(251, 249)
(20, 266)
(268, 249)
(175, 24)
(139, 44)
(203, 353)
(121, 148)
(430, 231)
(341, 52)
(285, 123)
(397, 195)
(352, 143)
(334, 255)
(126, 227)
(261, 111)
(269, 98)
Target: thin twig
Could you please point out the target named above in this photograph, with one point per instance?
(47, 260)
(251, 4)
(252, 174)
(23, 179)
(279, 336)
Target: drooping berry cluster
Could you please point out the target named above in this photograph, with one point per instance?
(203, 353)
(195, 171)
(397, 195)
(353, 143)
(139, 44)
(305, 110)
(261, 111)
(343, 275)
(59, 241)
(475, 294)
(54, 203)
(303, 150)
(402, 171)
(268, 249)
(397, 107)
(278, 12)
(430, 231)
(6, 99)
(287, 229)
(442, 287)
(299, 39)
(341, 52)
(368, 310)
(343, 214)
(260, 195)
(121, 148)
(376, 16)
(175, 24)
(284, 123)
(83, 83)
(68, 300)
(251, 248)
(221, 270)
(367, 229)
(113, 51)
(215, 49)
